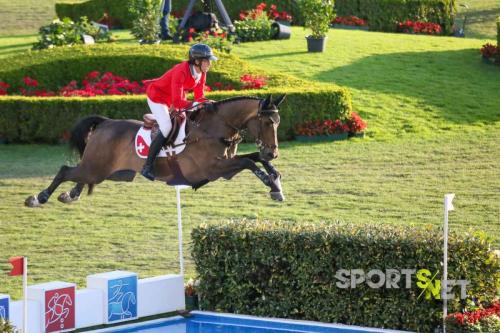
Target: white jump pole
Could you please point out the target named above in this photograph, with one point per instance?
(448, 205)
(178, 189)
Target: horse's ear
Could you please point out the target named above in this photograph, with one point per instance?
(268, 101)
(280, 100)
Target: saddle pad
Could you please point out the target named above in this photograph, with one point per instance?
(143, 140)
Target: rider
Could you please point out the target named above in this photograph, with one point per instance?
(169, 92)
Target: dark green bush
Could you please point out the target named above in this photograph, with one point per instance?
(31, 119)
(117, 9)
(382, 15)
(95, 9)
(145, 27)
(287, 270)
(498, 31)
(38, 119)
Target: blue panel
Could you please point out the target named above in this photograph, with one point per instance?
(122, 298)
(4, 308)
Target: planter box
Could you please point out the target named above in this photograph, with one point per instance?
(350, 27)
(489, 61)
(357, 135)
(321, 138)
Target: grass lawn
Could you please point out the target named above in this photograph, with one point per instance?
(433, 113)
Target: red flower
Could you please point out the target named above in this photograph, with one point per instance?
(29, 82)
(489, 50)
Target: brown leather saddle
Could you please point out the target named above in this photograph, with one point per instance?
(177, 119)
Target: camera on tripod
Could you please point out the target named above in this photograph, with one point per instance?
(203, 21)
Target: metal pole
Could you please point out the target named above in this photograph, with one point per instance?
(179, 225)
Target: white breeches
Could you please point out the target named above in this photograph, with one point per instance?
(162, 116)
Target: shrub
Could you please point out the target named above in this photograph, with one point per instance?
(254, 25)
(32, 119)
(288, 270)
(67, 32)
(95, 10)
(318, 14)
(350, 20)
(481, 320)
(418, 27)
(489, 50)
(117, 9)
(384, 15)
(145, 14)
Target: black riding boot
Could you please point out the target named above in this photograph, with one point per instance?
(154, 149)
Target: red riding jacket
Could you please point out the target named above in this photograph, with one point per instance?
(170, 89)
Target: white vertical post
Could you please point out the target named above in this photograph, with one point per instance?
(179, 226)
(25, 294)
(448, 198)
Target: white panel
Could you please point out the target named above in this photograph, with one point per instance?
(160, 294)
(34, 319)
(89, 307)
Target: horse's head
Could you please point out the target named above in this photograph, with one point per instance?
(264, 127)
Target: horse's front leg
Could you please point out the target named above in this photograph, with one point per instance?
(228, 168)
(275, 176)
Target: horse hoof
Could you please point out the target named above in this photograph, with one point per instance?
(32, 201)
(278, 196)
(65, 197)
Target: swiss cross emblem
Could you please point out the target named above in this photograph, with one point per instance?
(141, 146)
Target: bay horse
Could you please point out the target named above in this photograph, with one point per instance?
(107, 149)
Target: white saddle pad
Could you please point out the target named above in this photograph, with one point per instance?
(143, 141)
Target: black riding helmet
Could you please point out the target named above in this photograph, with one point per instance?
(201, 51)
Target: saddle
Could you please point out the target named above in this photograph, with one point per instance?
(177, 119)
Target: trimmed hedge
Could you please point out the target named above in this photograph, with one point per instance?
(287, 270)
(44, 119)
(118, 9)
(383, 15)
(95, 9)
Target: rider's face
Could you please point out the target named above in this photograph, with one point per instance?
(205, 65)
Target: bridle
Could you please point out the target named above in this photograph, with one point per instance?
(236, 137)
(273, 115)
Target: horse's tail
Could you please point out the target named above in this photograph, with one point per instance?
(80, 133)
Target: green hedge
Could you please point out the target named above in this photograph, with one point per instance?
(94, 10)
(33, 119)
(118, 9)
(384, 14)
(287, 270)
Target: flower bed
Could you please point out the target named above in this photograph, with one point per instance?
(418, 27)
(330, 130)
(255, 24)
(350, 22)
(97, 84)
(490, 53)
(481, 320)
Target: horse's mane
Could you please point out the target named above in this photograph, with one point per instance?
(234, 99)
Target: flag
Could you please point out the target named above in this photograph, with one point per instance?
(448, 198)
(17, 266)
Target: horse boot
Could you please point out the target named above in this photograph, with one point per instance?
(154, 149)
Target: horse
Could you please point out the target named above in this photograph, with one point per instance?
(107, 149)
(122, 306)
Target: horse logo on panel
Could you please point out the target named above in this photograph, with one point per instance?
(3, 312)
(122, 299)
(58, 308)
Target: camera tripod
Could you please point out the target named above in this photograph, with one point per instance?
(207, 6)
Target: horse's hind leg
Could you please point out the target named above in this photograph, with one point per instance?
(66, 173)
(73, 195)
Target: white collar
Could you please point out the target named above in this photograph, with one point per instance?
(196, 76)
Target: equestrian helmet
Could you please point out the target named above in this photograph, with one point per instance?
(201, 51)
